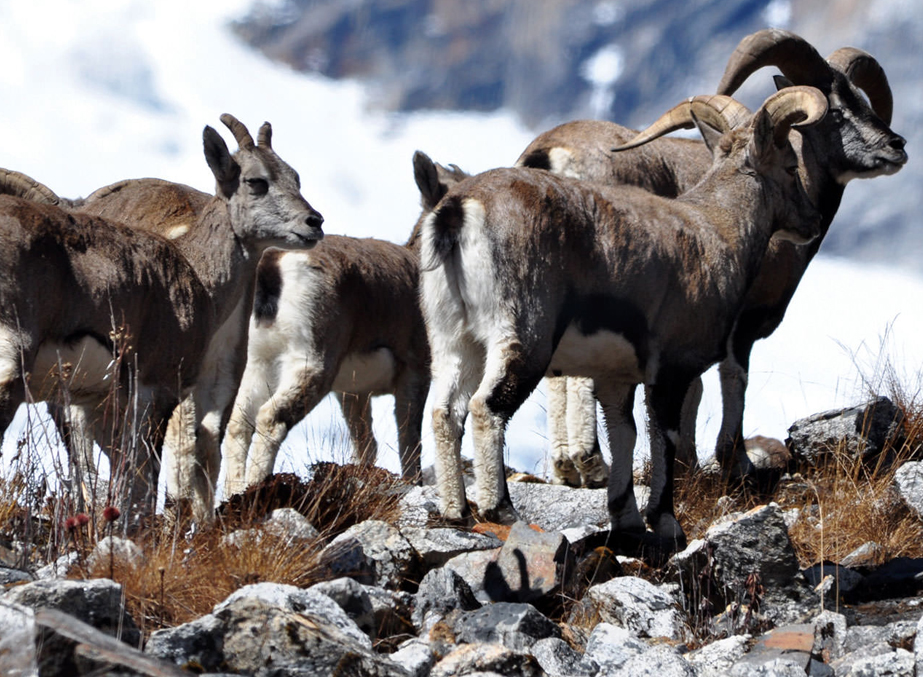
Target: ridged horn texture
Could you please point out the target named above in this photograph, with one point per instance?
(721, 112)
(244, 140)
(790, 53)
(264, 136)
(794, 107)
(20, 185)
(866, 73)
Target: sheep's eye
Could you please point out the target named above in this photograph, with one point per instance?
(258, 186)
(792, 171)
(835, 115)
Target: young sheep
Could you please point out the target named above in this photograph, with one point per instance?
(343, 317)
(525, 273)
(853, 141)
(170, 323)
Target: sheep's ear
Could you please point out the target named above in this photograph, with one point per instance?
(782, 82)
(426, 175)
(762, 144)
(223, 166)
(709, 133)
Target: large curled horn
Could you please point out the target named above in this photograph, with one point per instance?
(797, 106)
(866, 73)
(721, 112)
(264, 136)
(244, 140)
(790, 53)
(20, 185)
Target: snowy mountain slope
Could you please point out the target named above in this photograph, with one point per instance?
(98, 91)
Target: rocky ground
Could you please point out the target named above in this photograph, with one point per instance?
(411, 597)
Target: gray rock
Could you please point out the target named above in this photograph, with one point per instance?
(529, 566)
(441, 592)
(353, 598)
(97, 602)
(908, 480)
(715, 659)
(647, 610)
(830, 634)
(554, 507)
(755, 546)
(418, 506)
(437, 546)
(116, 550)
(18, 651)
(297, 600)
(472, 567)
(391, 611)
(898, 633)
(200, 642)
(479, 659)
(866, 554)
(9, 576)
(262, 638)
(861, 431)
(658, 661)
(783, 649)
(291, 525)
(59, 568)
(394, 561)
(514, 625)
(879, 660)
(558, 659)
(416, 656)
(917, 647)
(610, 647)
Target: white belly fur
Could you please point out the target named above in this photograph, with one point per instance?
(371, 372)
(603, 352)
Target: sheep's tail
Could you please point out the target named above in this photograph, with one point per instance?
(441, 233)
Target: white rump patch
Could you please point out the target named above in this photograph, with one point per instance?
(560, 161)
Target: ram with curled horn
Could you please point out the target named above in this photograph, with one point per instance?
(853, 141)
(526, 274)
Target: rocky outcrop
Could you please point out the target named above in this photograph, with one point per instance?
(415, 599)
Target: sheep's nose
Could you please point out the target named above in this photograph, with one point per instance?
(314, 220)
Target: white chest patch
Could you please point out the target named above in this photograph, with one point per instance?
(371, 372)
(86, 367)
(601, 353)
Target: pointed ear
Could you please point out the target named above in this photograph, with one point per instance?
(762, 143)
(709, 133)
(223, 166)
(782, 82)
(426, 176)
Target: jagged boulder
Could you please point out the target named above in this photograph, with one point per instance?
(862, 432)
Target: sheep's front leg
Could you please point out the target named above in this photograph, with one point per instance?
(299, 391)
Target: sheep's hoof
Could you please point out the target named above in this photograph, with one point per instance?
(645, 545)
(504, 513)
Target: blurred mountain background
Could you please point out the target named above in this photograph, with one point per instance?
(550, 61)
